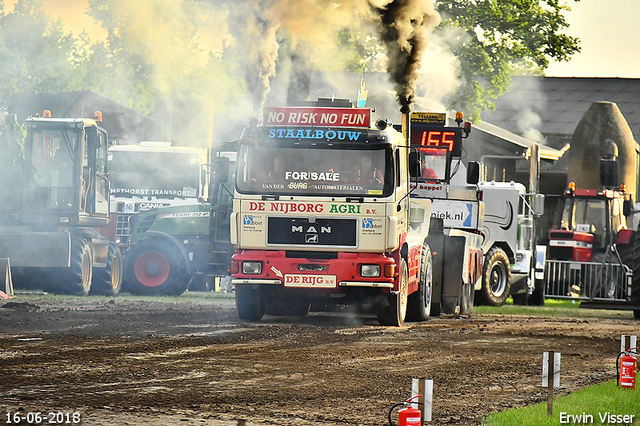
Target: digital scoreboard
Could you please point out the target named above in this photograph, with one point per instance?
(428, 136)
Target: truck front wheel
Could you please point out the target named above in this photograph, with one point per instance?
(496, 277)
(249, 302)
(392, 309)
(155, 266)
(420, 301)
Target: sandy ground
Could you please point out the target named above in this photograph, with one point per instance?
(125, 361)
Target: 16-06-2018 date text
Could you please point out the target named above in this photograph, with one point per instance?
(43, 418)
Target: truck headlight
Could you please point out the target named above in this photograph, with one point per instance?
(370, 271)
(252, 268)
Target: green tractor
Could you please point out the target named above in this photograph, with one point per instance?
(182, 247)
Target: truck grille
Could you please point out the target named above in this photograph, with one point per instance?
(322, 232)
(560, 235)
(560, 253)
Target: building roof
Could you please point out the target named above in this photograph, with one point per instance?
(555, 105)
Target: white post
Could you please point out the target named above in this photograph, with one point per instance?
(428, 400)
(423, 387)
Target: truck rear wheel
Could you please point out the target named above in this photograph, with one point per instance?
(496, 278)
(419, 307)
(392, 309)
(155, 266)
(249, 302)
(107, 281)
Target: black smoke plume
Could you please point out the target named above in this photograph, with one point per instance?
(404, 25)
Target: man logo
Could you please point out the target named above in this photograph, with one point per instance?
(311, 238)
(247, 220)
(367, 223)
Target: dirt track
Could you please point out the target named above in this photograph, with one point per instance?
(140, 362)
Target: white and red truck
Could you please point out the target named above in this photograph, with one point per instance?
(324, 216)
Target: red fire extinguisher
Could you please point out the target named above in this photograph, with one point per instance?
(627, 369)
(408, 416)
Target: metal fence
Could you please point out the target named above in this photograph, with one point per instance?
(588, 280)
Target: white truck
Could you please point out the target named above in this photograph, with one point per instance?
(337, 223)
(507, 232)
(149, 175)
(509, 267)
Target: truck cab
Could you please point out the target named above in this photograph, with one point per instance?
(322, 216)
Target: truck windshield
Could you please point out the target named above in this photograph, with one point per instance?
(434, 163)
(154, 174)
(588, 214)
(52, 163)
(315, 171)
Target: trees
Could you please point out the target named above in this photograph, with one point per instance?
(36, 55)
(494, 39)
(161, 48)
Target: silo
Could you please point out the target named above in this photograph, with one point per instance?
(602, 126)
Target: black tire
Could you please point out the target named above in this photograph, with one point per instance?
(468, 296)
(521, 299)
(538, 296)
(107, 281)
(392, 309)
(77, 279)
(496, 278)
(155, 266)
(201, 282)
(419, 302)
(249, 302)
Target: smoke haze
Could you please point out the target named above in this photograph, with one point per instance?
(228, 51)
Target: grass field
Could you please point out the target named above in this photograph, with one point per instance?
(554, 308)
(591, 405)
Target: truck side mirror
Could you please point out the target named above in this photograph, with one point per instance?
(538, 204)
(627, 208)
(473, 172)
(221, 169)
(415, 166)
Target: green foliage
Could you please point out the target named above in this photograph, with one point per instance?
(165, 48)
(35, 53)
(494, 39)
(593, 400)
(359, 50)
(556, 308)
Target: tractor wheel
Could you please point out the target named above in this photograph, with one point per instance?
(496, 277)
(108, 281)
(155, 266)
(392, 309)
(77, 279)
(249, 302)
(419, 307)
